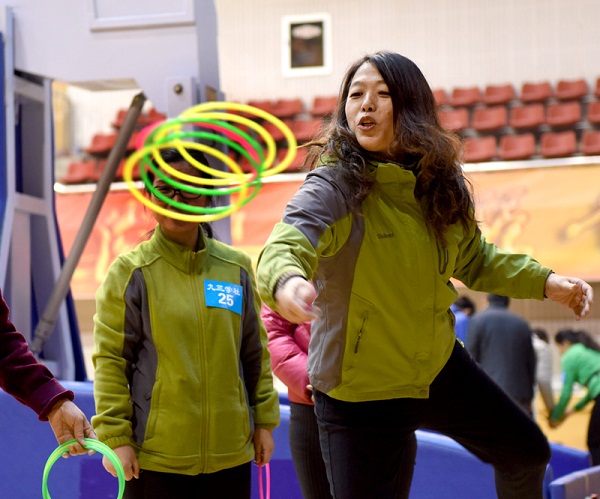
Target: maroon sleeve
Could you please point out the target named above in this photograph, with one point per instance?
(288, 358)
(21, 375)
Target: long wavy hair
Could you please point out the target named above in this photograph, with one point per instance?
(420, 142)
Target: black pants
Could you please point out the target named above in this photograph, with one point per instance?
(306, 452)
(308, 459)
(362, 442)
(593, 437)
(232, 483)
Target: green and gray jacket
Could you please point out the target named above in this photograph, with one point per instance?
(182, 369)
(383, 283)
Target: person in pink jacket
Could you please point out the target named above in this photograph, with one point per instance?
(288, 345)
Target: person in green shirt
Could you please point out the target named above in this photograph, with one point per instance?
(580, 362)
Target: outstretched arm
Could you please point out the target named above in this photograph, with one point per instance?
(294, 300)
(571, 292)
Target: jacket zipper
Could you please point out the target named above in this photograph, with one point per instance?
(359, 335)
(442, 259)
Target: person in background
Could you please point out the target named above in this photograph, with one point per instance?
(463, 309)
(288, 344)
(183, 384)
(500, 341)
(580, 362)
(543, 367)
(32, 384)
(366, 249)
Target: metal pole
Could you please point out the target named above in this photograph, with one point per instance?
(45, 327)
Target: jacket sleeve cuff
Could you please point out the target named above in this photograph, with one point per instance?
(44, 398)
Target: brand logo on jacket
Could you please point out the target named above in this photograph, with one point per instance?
(386, 235)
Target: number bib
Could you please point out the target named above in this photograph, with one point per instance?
(223, 295)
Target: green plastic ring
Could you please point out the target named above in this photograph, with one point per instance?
(93, 445)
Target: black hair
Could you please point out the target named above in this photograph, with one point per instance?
(498, 300)
(465, 303)
(572, 336)
(541, 334)
(173, 155)
(420, 143)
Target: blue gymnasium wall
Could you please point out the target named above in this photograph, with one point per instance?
(26, 444)
(443, 467)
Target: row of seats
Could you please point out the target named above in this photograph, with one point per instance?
(521, 117)
(507, 147)
(145, 118)
(321, 106)
(102, 143)
(540, 121)
(530, 92)
(470, 96)
(525, 146)
(89, 168)
(496, 123)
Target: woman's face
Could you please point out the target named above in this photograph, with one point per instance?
(369, 110)
(178, 230)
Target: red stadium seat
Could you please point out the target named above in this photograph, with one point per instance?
(487, 119)
(590, 142)
(571, 89)
(455, 120)
(441, 96)
(480, 149)
(152, 116)
(465, 96)
(297, 163)
(498, 94)
(265, 105)
(287, 108)
(305, 129)
(536, 91)
(274, 131)
(118, 121)
(101, 144)
(593, 113)
(81, 172)
(517, 146)
(597, 89)
(135, 172)
(323, 105)
(563, 114)
(527, 116)
(558, 144)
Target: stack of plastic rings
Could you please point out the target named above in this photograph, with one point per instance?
(92, 444)
(208, 122)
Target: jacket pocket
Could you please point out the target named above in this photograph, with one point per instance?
(230, 423)
(358, 321)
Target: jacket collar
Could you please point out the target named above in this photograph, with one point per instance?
(180, 257)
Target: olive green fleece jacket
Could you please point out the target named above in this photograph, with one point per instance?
(383, 282)
(182, 368)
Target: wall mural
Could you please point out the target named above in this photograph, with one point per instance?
(552, 214)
